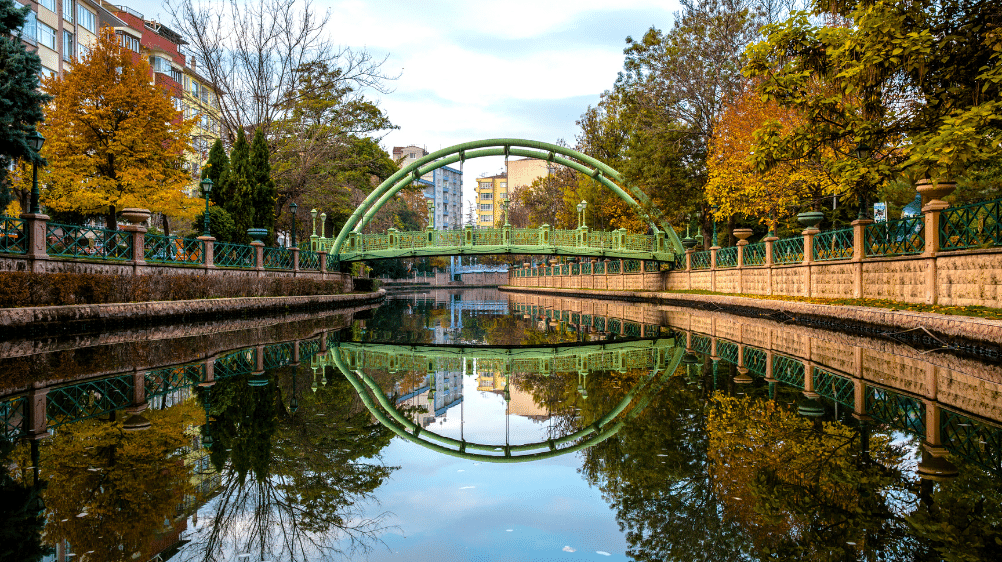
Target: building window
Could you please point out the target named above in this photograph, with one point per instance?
(82, 50)
(486, 206)
(49, 5)
(86, 19)
(46, 36)
(129, 42)
(68, 10)
(176, 74)
(46, 72)
(487, 196)
(160, 65)
(69, 46)
(504, 184)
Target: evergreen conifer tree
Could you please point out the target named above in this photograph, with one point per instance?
(238, 188)
(216, 169)
(20, 99)
(264, 192)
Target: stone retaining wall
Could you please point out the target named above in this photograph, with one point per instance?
(965, 384)
(966, 278)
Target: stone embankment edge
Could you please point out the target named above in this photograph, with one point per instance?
(963, 327)
(45, 319)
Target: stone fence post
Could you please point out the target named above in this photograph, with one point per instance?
(808, 234)
(295, 259)
(858, 254)
(210, 251)
(34, 230)
(258, 255)
(323, 263)
(769, 241)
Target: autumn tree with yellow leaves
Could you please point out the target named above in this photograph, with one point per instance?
(736, 186)
(114, 139)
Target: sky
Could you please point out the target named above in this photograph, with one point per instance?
(475, 69)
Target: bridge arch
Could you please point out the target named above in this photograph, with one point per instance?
(594, 168)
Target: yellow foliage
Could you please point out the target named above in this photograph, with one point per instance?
(734, 183)
(113, 138)
(109, 487)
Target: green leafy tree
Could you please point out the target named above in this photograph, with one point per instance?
(216, 169)
(21, 101)
(238, 188)
(897, 86)
(262, 186)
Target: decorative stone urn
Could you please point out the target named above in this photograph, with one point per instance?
(742, 234)
(135, 216)
(934, 192)
(743, 377)
(257, 234)
(811, 408)
(688, 242)
(810, 219)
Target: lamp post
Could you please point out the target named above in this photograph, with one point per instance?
(431, 213)
(206, 190)
(293, 208)
(35, 141)
(714, 208)
(504, 205)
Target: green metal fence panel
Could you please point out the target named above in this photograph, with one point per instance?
(631, 266)
(563, 238)
(575, 269)
(332, 262)
(308, 348)
(701, 344)
(161, 382)
(277, 355)
(488, 237)
(788, 370)
(754, 254)
(277, 258)
(701, 260)
(614, 325)
(679, 262)
(896, 410)
(602, 240)
(895, 237)
(599, 268)
(632, 330)
(972, 440)
(225, 254)
(835, 388)
(309, 260)
(158, 248)
(639, 242)
(372, 242)
(586, 268)
(727, 257)
(833, 245)
(613, 266)
(756, 360)
(449, 237)
(788, 250)
(239, 362)
(66, 240)
(728, 351)
(13, 237)
(67, 404)
(14, 417)
(525, 236)
(971, 226)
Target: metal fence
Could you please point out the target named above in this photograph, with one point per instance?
(92, 242)
(13, 238)
(971, 226)
(833, 245)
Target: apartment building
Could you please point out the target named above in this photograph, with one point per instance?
(443, 186)
(524, 171)
(490, 193)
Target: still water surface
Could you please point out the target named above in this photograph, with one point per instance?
(480, 425)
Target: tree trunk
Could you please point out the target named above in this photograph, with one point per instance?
(731, 239)
(165, 223)
(110, 218)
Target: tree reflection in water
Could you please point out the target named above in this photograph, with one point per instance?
(293, 478)
(697, 477)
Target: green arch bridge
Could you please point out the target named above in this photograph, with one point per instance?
(352, 244)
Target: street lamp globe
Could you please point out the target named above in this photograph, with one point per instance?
(35, 141)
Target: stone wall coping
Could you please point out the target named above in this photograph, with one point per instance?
(158, 311)
(966, 327)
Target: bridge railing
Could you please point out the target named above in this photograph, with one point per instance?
(545, 239)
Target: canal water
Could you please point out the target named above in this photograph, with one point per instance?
(481, 425)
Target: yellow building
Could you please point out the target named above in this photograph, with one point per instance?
(199, 101)
(524, 171)
(491, 191)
